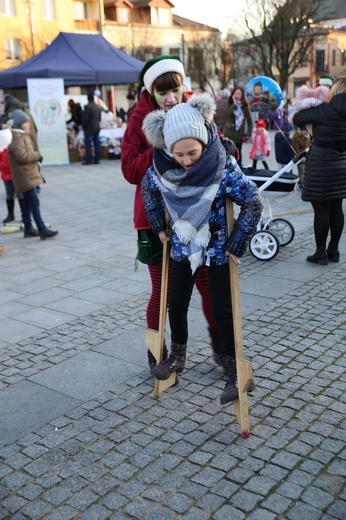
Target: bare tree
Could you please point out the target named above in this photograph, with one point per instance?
(204, 58)
(30, 45)
(281, 34)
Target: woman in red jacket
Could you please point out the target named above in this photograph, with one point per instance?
(162, 80)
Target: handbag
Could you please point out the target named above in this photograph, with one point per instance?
(149, 248)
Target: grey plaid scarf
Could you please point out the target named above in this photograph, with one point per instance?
(188, 195)
(238, 116)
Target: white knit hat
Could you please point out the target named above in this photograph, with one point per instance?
(183, 121)
(157, 66)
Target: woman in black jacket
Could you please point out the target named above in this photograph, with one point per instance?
(324, 183)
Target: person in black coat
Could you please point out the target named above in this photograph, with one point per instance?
(91, 118)
(324, 182)
(284, 151)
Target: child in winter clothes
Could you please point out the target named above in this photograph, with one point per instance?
(26, 174)
(6, 176)
(284, 151)
(308, 97)
(192, 173)
(260, 144)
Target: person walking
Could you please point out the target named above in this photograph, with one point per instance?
(161, 87)
(26, 174)
(238, 125)
(91, 118)
(191, 176)
(324, 183)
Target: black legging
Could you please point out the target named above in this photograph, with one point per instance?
(328, 216)
(182, 282)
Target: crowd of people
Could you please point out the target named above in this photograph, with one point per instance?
(183, 152)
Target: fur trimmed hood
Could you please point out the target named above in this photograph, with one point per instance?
(186, 120)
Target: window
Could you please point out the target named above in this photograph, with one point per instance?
(195, 61)
(174, 52)
(12, 49)
(159, 16)
(333, 57)
(320, 61)
(48, 11)
(7, 8)
(123, 15)
(79, 11)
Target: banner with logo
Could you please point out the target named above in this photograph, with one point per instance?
(46, 105)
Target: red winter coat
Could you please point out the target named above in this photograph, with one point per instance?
(137, 154)
(5, 167)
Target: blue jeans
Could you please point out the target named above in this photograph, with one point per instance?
(90, 139)
(10, 191)
(32, 207)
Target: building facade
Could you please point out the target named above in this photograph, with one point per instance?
(140, 28)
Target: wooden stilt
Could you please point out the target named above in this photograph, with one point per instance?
(241, 406)
(155, 340)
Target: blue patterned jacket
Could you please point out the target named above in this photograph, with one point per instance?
(234, 184)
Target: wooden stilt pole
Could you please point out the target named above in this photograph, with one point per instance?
(241, 406)
(155, 340)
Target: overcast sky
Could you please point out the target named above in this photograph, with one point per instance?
(217, 13)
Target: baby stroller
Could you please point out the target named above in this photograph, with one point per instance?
(272, 232)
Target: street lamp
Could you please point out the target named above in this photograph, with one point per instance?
(29, 13)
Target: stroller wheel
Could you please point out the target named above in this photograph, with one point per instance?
(264, 245)
(282, 229)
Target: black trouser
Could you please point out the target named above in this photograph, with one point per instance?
(329, 216)
(182, 282)
(239, 148)
(254, 164)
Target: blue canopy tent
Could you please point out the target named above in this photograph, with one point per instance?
(80, 59)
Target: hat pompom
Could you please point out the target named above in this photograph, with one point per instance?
(5, 138)
(321, 92)
(303, 92)
(153, 128)
(205, 105)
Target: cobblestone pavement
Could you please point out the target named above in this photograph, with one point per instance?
(124, 454)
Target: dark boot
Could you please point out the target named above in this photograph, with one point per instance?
(320, 257)
(10, 211)
(152, 360)
(174, 363)
(333, 252)
(230, 392)
(31, 233)
(48, 234)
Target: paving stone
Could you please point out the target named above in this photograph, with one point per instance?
(301, 510)
(120, 452)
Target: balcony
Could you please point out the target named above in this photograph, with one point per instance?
(87, 25)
